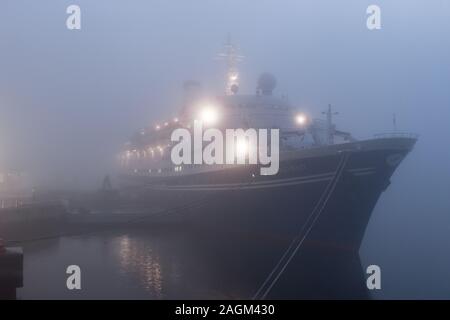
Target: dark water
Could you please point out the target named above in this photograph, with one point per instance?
(180, 263)
(131, 264)
(159, 263)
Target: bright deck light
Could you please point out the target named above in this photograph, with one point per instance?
(209, 115)
(241, 147)
(300, 119)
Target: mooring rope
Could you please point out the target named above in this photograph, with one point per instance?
(298, 240)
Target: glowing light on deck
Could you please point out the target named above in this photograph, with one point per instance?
(209, 115)
(242, 147)
(300, 119)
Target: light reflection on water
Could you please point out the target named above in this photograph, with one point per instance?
(136, 264)
(114, 266)
(152, 264)
(136, 257)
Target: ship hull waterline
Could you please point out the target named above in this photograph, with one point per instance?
(303, 226)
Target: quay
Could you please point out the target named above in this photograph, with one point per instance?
(11, 271)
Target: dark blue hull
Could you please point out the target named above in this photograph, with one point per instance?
(305, 225)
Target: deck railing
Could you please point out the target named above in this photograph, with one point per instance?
(396, 135)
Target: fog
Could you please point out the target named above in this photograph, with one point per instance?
(70, 99)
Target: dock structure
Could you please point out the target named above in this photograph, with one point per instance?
(11, 271)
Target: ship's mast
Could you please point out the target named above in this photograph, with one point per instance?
(330, 125)
(232, 58)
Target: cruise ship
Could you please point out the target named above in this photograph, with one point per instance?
(317, 205)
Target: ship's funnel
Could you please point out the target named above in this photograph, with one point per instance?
(266, 83)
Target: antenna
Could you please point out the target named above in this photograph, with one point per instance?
(232, 58)
(330, 126)
(394, 121)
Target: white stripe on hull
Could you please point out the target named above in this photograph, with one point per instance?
(260, 184)
(363, 173)
(361, 169)
(239, 187)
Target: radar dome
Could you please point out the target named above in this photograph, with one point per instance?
(267, 83)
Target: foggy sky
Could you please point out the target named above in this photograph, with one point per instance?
(70, 99)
